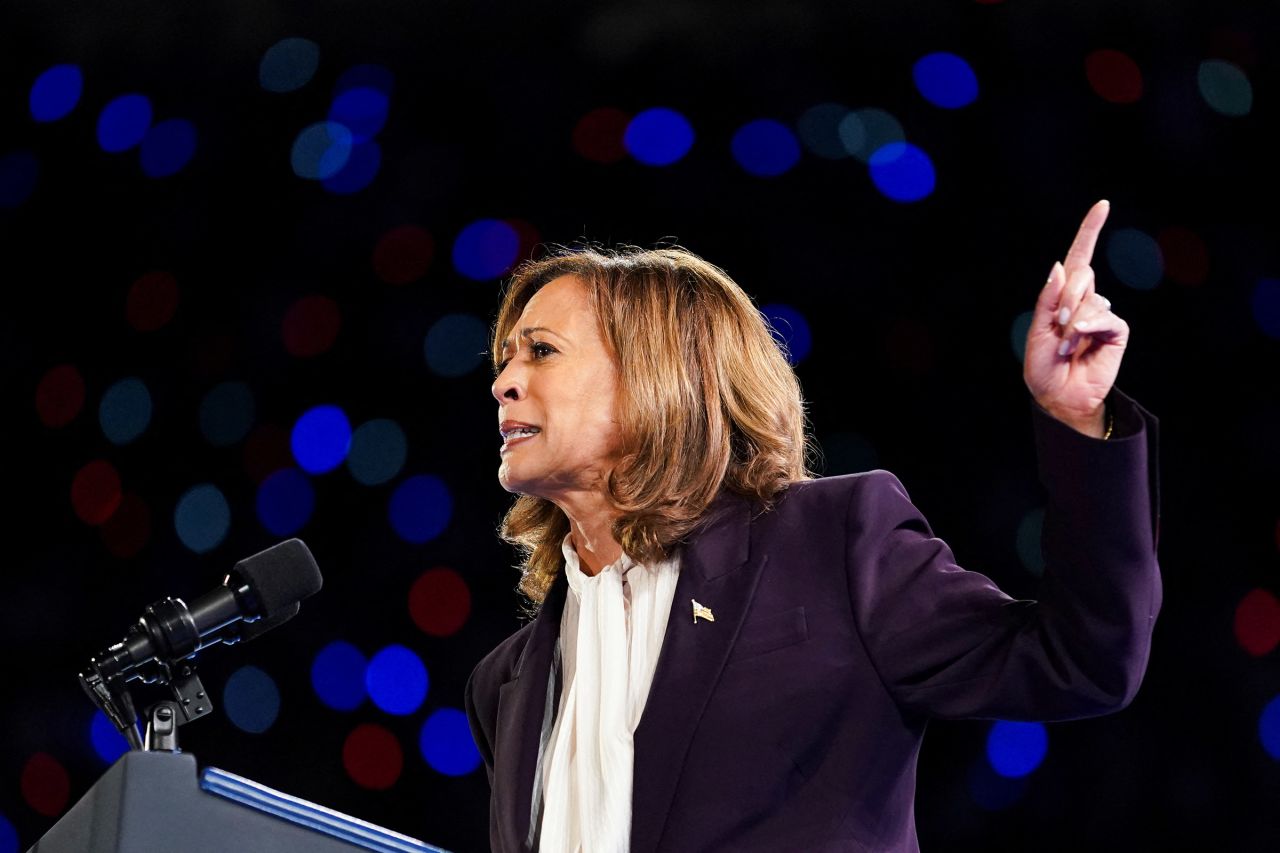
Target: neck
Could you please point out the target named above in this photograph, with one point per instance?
(591, 525)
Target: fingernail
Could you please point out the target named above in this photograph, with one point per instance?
(1064, 314)
(1082, 326)
(1064, 346)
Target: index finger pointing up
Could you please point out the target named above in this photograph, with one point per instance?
(1081, 252)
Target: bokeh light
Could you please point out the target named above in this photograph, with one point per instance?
(1028, 541)
(790, 329)
(378, 452)
(59, 395)
(361, 168)
(1266, 306)
(902, 172)
(1225, 88)
(106, 739)
(168, 147)
(95, 492)
(8, 836)
(152, 301)
(288, 65)
(19, 172)
(128, 529)
(439, 602)
(285, 502)
(123, 123)
(337, 676)
(658, 136)
(420, 508)
(1135, 259)
(226, 413)
(366, 76)
(321, 150)
(945, 80)
(403, 254)
(485, 249)
(362, 110)
(251, 700)
(446, 743)
(1269, 728)
(1016, 749)
(765, 148)
(321, 439)
(1186, 257)
(989, 790)
(819, 128)
(1018, 332)
(372, 757)
(598, 135)
(1257, 622)
(1113, 76)
(125, 411)
(456, 344)
(45, 784)
(396, 680)
(56, 92)
(310, 326)
(865, 131)
(202, 518)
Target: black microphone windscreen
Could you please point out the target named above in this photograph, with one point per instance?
(280, 576)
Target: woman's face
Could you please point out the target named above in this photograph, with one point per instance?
(557, 396)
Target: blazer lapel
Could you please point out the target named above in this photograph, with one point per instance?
(521, 704)
(718, 571)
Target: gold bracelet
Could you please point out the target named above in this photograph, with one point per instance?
(1111, 422)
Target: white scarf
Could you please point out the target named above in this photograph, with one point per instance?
(611, 633)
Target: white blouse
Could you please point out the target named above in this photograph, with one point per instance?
(611, 633)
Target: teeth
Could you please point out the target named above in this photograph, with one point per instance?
(521, 432)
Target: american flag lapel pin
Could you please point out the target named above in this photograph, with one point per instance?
(704, 612)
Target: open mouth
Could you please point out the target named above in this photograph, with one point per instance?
(512, 437)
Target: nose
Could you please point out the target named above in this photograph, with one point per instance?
(507, 388)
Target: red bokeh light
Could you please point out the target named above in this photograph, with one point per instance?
(598, 135)
(59, 395)
(403, 254)
(1114, 76)
(45, 784)
(152, 301)
(439, 602)
(129, 528)
(1186, 258)
(266, 451)
(529, 239)
(95, 492)
(372, 757)
(1257, 622)
(311, 326)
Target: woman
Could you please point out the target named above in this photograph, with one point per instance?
(730, 655)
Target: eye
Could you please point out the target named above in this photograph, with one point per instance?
(541, 350)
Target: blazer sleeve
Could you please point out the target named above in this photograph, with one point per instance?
(948, 643)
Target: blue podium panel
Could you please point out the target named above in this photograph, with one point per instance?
(150, 802)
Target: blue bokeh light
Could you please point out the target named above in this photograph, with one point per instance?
(765, 148)
(945, 80)
(123, 123)
(321, 150)
(1265, 303)
(288, 65)
(338, 676)
(251, 700)
(168, 147)
(658, 136)
(446, 743)
(226, 413)
(1135, 258)
(362, 110)
(202, 518)
(321, 439)
(819, 128)
(360, 170)
(125, 411)
(902, 172)
(863, 132)
(56, 92)
(378, 452)
(456, 344)
(1018, 332)
(396, 680)
(8, 836)
(1269, 728)
(285, 502)
(1225, 88)
(108, 743)
(1016, 749)
(421, 508)
(991, 791)
(485, 249)
(19, 172)
(790, 329)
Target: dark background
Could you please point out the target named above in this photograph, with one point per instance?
(911, 307)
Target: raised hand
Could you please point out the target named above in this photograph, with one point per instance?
(1075, 342)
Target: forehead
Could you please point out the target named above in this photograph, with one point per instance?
(564, 298)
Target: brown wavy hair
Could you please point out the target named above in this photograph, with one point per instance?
(708, 400)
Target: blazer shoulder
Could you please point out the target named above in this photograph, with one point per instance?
(503, 663)
(838, 492)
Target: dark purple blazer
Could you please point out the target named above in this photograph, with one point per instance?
(842, 624)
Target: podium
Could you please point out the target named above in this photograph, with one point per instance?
(151, 802)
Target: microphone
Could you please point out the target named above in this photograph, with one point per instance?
(258, 594)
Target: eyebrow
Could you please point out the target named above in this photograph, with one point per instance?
(528, 331)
